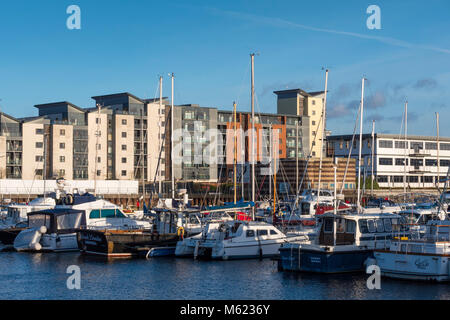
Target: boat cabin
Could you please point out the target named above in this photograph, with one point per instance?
(57, 220)
(351, 229)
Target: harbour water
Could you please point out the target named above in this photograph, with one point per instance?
(43, 276)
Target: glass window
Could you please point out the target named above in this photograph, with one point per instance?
(62, 132)
(39, 144)
(124, 134)
(69, 221)
(379, 225)
(124, 121)
(387, 225)
(262, 232)
(350, 226)
(386, 144)
(371, 226)
(385, 161)
(62, 145)
(273, 232)
(250, 233)
(39, 131)
(363, 228)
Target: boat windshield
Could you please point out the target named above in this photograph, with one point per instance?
(69, 221)
(39, 220)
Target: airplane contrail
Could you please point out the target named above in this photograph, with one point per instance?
(278, 22)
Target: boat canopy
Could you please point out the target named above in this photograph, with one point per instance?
(57, 219)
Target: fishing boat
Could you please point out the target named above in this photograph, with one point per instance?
(343, 244)
(427, 258)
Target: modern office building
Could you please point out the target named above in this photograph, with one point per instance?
(425, 164)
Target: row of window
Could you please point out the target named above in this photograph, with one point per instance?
(389, 144)
(409, 179)
(413, 162)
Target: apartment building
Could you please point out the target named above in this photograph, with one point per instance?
(308, 105)
(421, 169)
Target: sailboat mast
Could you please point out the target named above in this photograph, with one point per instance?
(235, 152)
(406, 148)
(275, 157)
(360, 146)
(171, 141)
(373, 153)
(252, 132)
(324, 103)
(160, 141)
(296, 159)
(142, 158)
(437, 149)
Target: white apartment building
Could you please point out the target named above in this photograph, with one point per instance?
(426, 165)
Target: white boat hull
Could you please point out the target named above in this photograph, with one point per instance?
(413, 266)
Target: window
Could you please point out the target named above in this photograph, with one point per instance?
(39, 131)
(371, 226)
(363, 228)
(400, 144)
(379, 225)
(385, 161)
(124, 160)
(124, 173)
(430, 145)
(124, 147)
(416, 145)
(314, 102)
(250, 233)
(273, 232)
(62, 159)
(99, 146)
(39, 158)
(39, 144)
(417, 162)
(397, 179)
(387, 225)
(431, 162)
(38, 172)
(412, 179)
(314, 112)
(428, 179)
(385, 144)
(400, 162)
(97, 120)
(62, 132)
(62, 173)
(262, 232)
(382, 179)
(124, 122)
(99, 173)
(62, 145)
(347, 144)
(350, 226)
(341, 145)
(445, 163)
(445, 146)
(313, 123)
(99, 159)
(124, 134)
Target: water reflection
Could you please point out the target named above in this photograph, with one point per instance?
(43, 276)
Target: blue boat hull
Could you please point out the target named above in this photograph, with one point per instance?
(323, 262)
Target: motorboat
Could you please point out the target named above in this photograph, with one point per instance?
(344, 242)
(17, 213)
(243, 240)
(55, 229)
(426, 258)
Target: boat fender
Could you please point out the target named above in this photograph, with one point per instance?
(68, 200)
(43, 229)
(180, 232)
(36, 246)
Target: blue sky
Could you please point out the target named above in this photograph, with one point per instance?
(126, 45)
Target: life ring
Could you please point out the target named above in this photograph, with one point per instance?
(180, 232)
